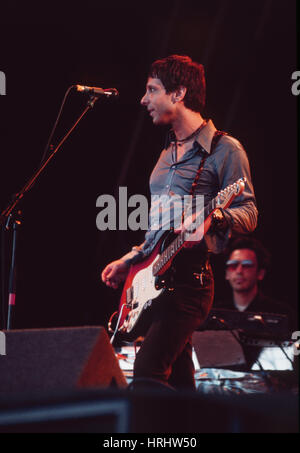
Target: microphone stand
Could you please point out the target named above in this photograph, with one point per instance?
(12, 275)
(8, 216)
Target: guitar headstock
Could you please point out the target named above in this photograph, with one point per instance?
(225, 196)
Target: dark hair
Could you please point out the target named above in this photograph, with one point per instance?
(178, 71)
(245, 242)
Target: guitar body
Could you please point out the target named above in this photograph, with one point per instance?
(148, 279)
(138, 292)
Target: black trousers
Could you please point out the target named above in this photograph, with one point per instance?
(166, 352)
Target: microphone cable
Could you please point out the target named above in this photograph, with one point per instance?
(49, 144)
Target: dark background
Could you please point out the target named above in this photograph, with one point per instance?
(249, 52)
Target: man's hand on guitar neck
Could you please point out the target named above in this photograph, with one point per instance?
(115, 273)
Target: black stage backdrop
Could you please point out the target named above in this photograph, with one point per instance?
(249, 52)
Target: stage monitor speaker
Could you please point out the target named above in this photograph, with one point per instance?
(217, 348)
(58, 359)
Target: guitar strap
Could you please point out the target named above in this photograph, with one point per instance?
(214, 142)
(216, 138)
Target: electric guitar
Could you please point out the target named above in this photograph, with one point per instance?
(145, 280)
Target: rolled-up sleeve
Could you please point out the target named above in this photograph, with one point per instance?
(136, 254)
(242, 214)
(231, 163)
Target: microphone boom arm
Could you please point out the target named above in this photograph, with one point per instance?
(18, 197)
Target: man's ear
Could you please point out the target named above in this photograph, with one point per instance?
(261, 274)
(179, 94)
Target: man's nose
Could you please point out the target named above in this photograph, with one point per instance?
(144, 100)
(239, 268)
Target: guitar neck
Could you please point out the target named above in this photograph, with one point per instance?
(223, 199)
(177, 244)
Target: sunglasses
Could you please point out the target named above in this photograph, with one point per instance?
(233, 264)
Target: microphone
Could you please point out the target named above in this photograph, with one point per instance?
(108, 92)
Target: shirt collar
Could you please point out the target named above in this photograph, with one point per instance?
(204, 137)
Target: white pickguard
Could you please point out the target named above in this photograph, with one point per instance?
(144, 291)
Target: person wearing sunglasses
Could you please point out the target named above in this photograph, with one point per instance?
(246, 266)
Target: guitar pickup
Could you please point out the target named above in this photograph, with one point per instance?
(129, 295)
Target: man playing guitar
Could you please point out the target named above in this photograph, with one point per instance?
(197, 160)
